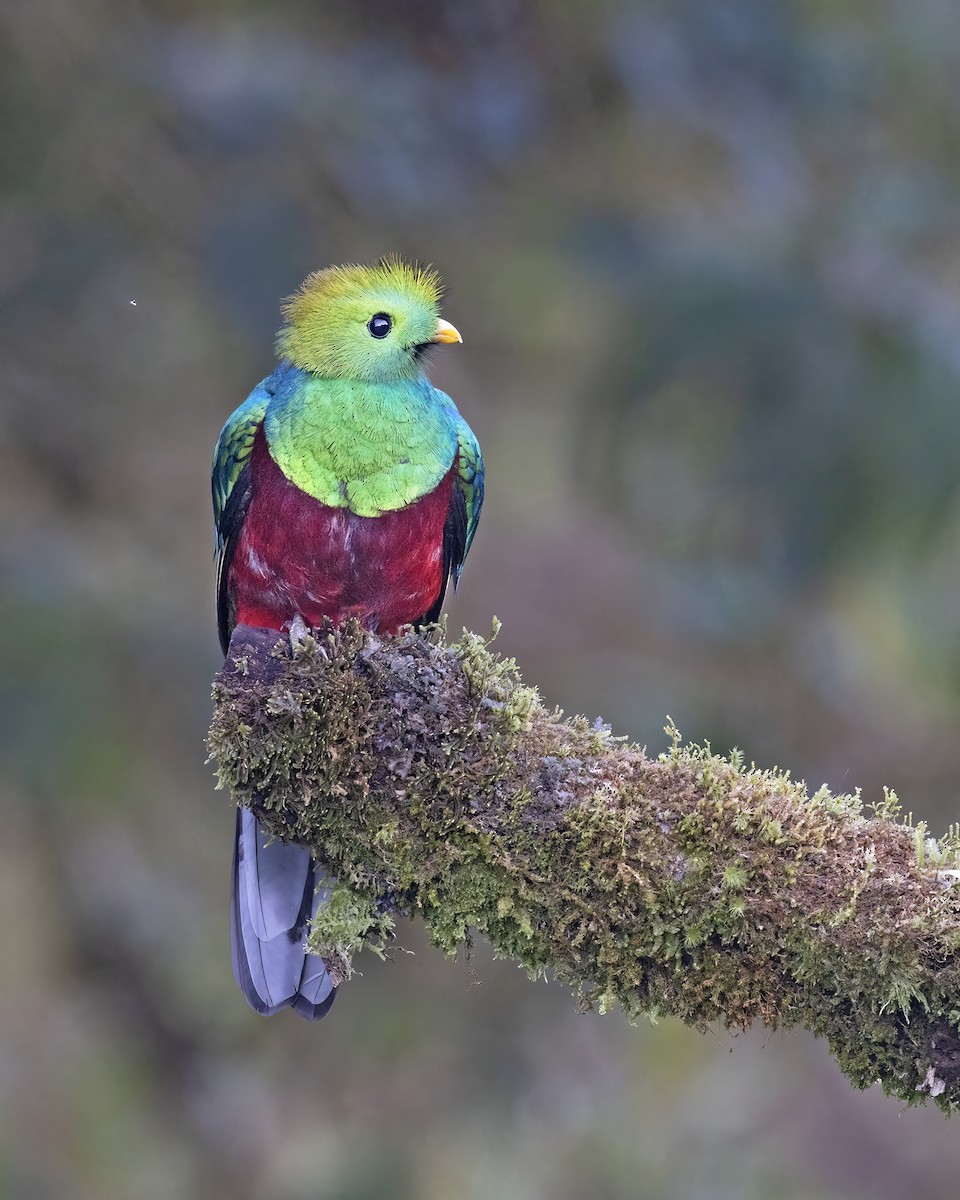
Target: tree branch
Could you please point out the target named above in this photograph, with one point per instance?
(431, 780)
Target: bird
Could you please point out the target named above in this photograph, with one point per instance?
(345, 486)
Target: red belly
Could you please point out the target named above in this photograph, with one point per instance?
(296, 555)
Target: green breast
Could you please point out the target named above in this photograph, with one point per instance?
(370, 448)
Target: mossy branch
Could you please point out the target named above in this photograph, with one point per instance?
(431, 780)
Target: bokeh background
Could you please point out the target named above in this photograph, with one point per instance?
(706, 261)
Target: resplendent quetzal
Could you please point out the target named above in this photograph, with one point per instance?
(346, 485)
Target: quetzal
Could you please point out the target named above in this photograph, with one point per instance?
(346, 485)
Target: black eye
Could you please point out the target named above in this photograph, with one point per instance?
(379, 325)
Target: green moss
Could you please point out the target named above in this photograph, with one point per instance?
(349, 920)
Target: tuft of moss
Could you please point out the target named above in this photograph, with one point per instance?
(431, 780)
(349, 920)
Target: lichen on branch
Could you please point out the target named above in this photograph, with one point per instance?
(431, 780)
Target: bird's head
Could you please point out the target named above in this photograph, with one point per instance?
(365, 323)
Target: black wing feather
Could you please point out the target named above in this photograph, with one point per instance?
(454, 548)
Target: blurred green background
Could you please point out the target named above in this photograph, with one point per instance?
(706, 261)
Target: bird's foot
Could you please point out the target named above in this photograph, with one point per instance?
(299, 633)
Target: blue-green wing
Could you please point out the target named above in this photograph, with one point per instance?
(466, 497)
(231, 489)
(233, 449)
(470, 483)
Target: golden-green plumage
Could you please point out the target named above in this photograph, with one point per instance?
(326, 320)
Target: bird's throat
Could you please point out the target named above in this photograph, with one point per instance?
(367, 448)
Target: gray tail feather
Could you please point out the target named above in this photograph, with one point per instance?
(276, 891)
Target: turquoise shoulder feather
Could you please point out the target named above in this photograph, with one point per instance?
(230, 457)
(470, 473)
(234, 447)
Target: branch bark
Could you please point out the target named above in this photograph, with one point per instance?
(431, 780)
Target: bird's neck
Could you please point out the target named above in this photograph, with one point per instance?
(367, 447)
